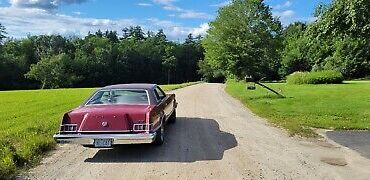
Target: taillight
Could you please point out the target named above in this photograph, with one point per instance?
(144, 127)
(141, 127)
(68, 128)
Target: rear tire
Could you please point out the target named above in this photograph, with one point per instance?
(172, 118)
(159, 137)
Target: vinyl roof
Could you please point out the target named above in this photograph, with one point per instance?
(130, 86)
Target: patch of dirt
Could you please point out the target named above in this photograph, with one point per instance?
(334, 161)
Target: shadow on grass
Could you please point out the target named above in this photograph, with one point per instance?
(268, 97)
(188, 140)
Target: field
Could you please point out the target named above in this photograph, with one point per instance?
(28, 120)
(340, 106)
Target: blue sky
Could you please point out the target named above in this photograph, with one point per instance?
(176, 17)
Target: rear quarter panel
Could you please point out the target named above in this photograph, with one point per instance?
(164, 109)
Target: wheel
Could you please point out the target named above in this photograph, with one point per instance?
(159, 138)
(172, 118)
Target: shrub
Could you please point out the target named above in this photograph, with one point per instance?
(318, 77)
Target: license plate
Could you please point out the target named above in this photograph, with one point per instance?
(102, 143)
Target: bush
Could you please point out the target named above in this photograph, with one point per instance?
(318, 77)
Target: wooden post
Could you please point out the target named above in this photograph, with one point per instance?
(266, 87)
(251, 79)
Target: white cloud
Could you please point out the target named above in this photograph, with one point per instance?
(176, 31)
(284, 14)
(169, 5)
(193, 14)
(221, 4)
(20, 22)
(162, 23)
(173, 8)
(42, 4)
(289, 16)
(201, 30)
(283, 5)
(145, 4)
(165, 2)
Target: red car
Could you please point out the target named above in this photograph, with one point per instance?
(120, 114)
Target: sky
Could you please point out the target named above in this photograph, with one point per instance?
(177, 18)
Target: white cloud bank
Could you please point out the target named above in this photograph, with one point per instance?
(145, 4)
(20, 22)
(169, 5)
(35, 17)
(222, 4)
(43, 4)
(286, 4)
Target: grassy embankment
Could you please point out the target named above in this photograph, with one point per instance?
(336, 106)
(28, 120)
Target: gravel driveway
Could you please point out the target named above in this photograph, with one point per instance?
(215, 137)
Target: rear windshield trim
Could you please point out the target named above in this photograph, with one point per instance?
(92, 96)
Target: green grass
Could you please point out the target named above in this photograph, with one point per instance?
(28, 120)
(339, 106)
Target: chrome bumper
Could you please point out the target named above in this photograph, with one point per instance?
(118, 139)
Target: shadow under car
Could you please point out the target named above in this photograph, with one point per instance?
(188, 140)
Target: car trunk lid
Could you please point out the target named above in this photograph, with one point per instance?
(108, 118)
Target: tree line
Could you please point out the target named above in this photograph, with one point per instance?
(245, 39)
(99, 59)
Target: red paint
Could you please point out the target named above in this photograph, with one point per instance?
(121, 118)
(117, 117)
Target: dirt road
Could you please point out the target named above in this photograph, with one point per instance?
(215, 137)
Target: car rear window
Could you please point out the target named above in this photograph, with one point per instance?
(119, 97)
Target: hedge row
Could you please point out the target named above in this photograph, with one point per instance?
(318, 77)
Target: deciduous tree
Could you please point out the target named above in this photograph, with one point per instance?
(243, 40)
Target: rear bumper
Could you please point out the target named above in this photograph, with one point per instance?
(118, 139)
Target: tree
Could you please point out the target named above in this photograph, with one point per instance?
(294, 54)
(243, 40)
(134, 33)
(189, 39)
(169, 62)
(340, 38)
(345, 18)
(2, 33)
(54, 72)
(99, 59)
(112, 36)
(189, 55)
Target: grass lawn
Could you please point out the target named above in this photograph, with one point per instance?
(339, 106)
(28, 120)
